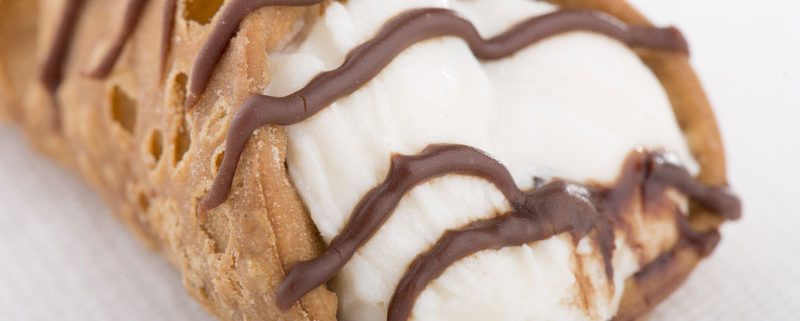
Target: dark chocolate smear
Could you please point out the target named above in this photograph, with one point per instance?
(133, 13)
(52, 72)
(368, 59)
(224, 30)
(167, 26)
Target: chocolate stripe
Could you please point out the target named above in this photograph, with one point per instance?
(553, 209)
(513, 229)
(378, 204)
(167, 26)
(220, 37)
(52, 72)
(664, 174)
(133, 13)
(367, 60)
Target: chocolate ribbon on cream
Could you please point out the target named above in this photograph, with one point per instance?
(546, 211)
(367, 60)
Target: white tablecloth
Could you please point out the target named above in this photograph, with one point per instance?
(63, 257)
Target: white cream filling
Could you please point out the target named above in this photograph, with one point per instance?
(572, 106)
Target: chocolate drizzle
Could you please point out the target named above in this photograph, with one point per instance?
(223, 32)
(167, 26)
(133, 13)
(554, 209)
(551, 209)
(367, 60)
(511, 229)
(378, 204)
(663, 174)
(52, 72)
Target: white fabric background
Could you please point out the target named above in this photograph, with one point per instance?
(63, 257)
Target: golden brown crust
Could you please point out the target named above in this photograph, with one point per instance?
(14, 77)
(151, 159)
(131, 137)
